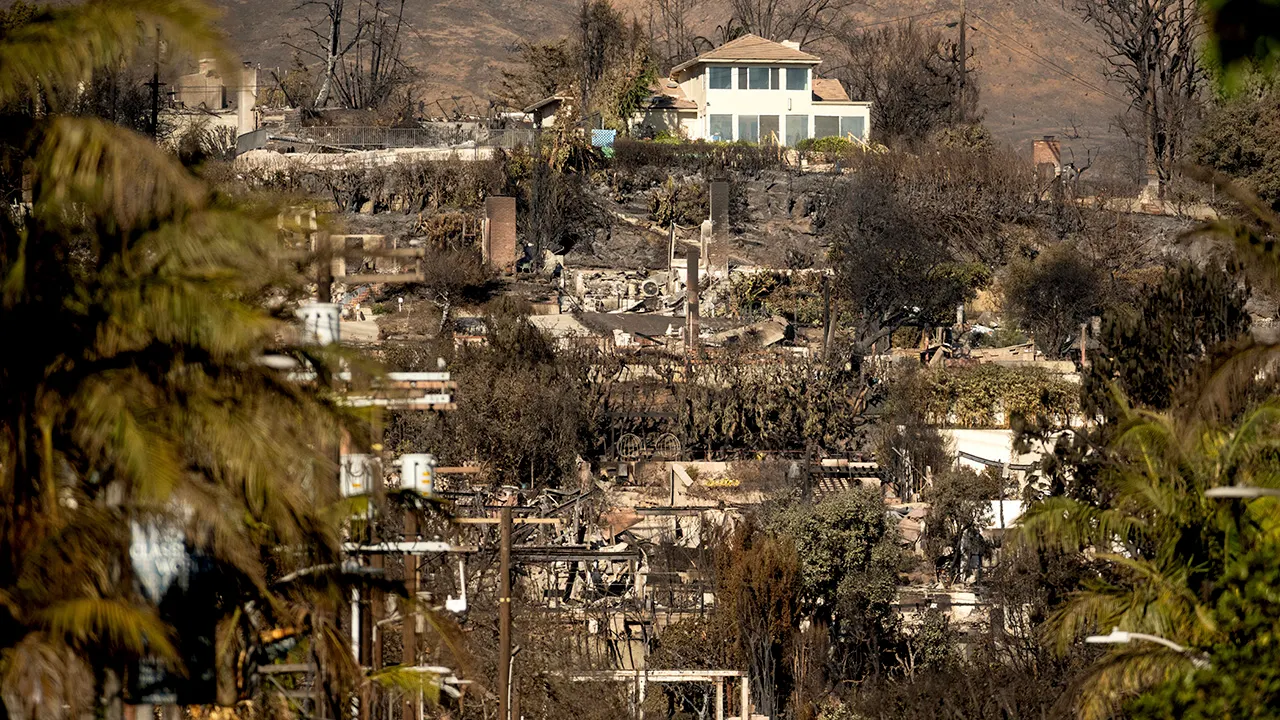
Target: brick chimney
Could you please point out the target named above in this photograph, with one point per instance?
(1046, 155)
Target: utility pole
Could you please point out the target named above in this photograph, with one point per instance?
(324, 249)
(964, 62)
(504, 618)
(408, 620)
(154, 123)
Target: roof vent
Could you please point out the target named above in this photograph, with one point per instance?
(793, 44)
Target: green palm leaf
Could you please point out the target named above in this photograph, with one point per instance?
(107, 623)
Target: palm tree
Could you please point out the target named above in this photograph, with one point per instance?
(134, 302)
(1159, 547)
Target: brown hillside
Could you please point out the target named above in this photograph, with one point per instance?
(461, 47)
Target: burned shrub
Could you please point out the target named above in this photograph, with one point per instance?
(683, 202)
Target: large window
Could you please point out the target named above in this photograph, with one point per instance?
(825, 126)
(758, 78)
(749, 128)
(797, 78)
(797, 129)
(770, 131)
(721, 78)
(720, 127)
(833, 125)
(855, 126)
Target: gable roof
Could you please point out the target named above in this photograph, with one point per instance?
(752, 48)
(829, 90)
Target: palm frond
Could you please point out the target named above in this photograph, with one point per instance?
(1123, 674)
(62, 47)
(119, 177)
(104, 623)
(409, 682)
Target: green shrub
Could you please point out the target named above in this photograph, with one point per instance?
(699, 156)
(974, 396)
(829, 149)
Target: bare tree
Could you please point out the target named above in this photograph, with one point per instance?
(602, 41)
(669, 25)
(1152, 49)
(805, 21)
(912, 78)
(373, 68)
(360, 56)
(330, 41)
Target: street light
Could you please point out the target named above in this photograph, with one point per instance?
(1124, 637)
(1240, 492)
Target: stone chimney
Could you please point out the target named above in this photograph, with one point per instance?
(1046, 155)
(793, 44)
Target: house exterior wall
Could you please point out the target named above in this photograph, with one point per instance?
(675, 122)
(794, 110)
(545, 116)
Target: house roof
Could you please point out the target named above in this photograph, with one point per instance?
(829, 90)
(667, 95)
(547, 101)
(752, 48)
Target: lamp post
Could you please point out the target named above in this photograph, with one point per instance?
(1240, 492)
(1124, 637)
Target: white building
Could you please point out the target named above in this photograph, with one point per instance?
(749, 89)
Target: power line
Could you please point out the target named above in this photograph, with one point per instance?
(899, 19)
(1045, 61)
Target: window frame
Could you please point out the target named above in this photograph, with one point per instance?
(711, 121)
(728, 75)
(791, 139)
(826, 120)
(854, 119)
(776, 129)
(754, 120)
(803, 74)
(757, 72)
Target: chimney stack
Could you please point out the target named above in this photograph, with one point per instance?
(1047, 152)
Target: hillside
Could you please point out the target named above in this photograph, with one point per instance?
(461, 46)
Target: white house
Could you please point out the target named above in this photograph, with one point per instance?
(749, 89)
(760, 91)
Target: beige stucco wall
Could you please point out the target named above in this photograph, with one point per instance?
(675, 122)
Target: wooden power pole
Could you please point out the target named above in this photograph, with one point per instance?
(964, 62)
(153, 122)
(504, 618)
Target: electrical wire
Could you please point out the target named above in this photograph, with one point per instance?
(999, 34)
(900, 19)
